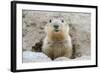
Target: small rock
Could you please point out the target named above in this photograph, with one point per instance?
(29, 56)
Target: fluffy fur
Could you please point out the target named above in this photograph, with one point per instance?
(57, 42)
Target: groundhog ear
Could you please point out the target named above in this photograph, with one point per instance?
(62, 21)
(50, 21)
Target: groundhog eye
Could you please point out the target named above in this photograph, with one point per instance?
(62, 21)
(50, 20)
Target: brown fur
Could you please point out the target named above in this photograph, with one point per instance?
(57, 44)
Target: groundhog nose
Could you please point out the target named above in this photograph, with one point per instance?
(56, 26)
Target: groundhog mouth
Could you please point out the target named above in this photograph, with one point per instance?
(56, 30)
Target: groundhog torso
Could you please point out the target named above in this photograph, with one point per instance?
(58, 49)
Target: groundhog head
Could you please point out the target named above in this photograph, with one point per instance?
(57, 28)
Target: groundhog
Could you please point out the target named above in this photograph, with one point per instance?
(57, 42)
